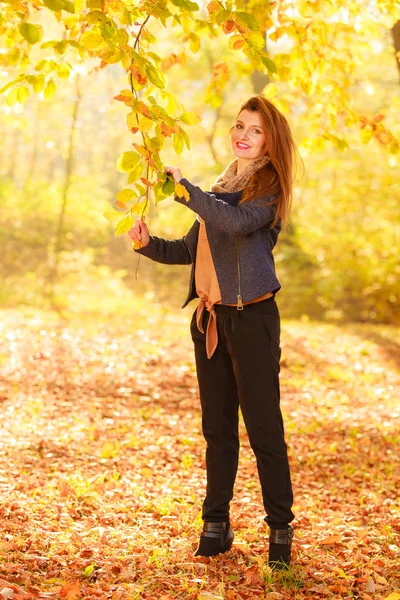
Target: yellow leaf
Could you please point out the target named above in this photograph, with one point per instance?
(190, 118)
(146, 472)
(182, 192)
(393, 596)
(131, 120)
(50, 89)
(92, 40)
(112, 215)
(63, 71)
(125, 195)
(137, 244)
(135, 173)
(12, 97)
(127, 161)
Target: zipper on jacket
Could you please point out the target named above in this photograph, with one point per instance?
(239, 296)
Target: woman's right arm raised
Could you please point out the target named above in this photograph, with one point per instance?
(169, 252)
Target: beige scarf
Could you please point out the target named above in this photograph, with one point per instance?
(230, 181)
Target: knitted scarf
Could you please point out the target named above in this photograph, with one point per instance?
(230, 181)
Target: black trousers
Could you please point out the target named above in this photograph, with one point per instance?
(243, 371)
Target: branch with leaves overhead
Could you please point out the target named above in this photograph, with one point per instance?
(316, 65)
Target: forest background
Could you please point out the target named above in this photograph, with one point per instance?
(335, 76)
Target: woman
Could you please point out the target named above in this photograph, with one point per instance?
(236, 326)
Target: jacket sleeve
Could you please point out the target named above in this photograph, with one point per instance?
(168, 252)
(234, 220)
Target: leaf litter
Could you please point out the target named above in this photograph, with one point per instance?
(102, 470)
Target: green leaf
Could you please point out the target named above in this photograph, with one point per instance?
(168, 187)
(223, 15)
(50, 89)
(55, 5)
(135, 173)
(186, 4)
(61, 47)
(253, 55)
(88, 571)
(267, 62)
(127, 161)
(124, 225)
(185, 137)
(31, 33)
(96, 17)
(178, 143)
(154, 75)
(247, 19)
(68, 6)
(108, 31)
(140, 188)
(256, 40)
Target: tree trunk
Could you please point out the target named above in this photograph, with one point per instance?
(396, 43)
(55, 251)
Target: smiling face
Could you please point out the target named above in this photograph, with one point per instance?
(248, 137)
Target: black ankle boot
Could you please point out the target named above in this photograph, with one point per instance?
(215, 539)
(280, 544)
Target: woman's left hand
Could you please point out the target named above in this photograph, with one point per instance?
(175, 172)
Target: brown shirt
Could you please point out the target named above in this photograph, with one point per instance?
(208, 290)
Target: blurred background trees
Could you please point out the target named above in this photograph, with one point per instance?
(338, 260)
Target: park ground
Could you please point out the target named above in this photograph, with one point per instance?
(102, 463)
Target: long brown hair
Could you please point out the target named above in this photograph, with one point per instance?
(277, 177)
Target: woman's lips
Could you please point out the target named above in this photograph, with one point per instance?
(242, 146)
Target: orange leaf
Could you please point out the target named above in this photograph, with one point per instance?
(121, 204)
(236, 42)
(213, 7)
(123, 98)
(169, 61)
(71, 591)
(229, 26)
(331, 539)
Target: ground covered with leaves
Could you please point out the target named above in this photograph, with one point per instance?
(102, 464)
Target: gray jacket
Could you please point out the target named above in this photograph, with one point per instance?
(240, 240)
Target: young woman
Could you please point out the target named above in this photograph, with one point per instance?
(236, 325)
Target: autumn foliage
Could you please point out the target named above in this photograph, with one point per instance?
(103, 470)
